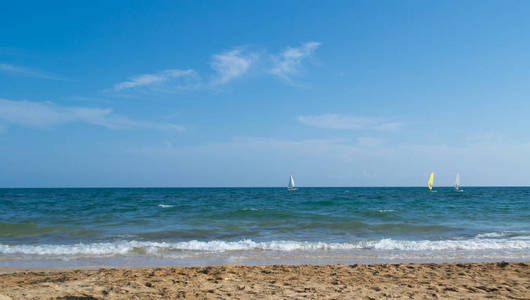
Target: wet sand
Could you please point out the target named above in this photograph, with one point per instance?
(376, 281)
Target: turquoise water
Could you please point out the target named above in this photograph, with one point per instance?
(248, 225)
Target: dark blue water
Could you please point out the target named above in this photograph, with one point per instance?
(179, 224)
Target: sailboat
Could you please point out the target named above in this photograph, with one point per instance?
(457, 183)
(430, 182)
(291, 186)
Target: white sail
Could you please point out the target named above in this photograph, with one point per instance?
(457, 181)
(291, 182)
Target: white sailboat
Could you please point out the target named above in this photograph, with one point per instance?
(291, 186)
(457, 183)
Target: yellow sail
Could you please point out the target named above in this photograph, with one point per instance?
(431, 179)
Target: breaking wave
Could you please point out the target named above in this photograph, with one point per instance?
(165, 205)
(105, 249)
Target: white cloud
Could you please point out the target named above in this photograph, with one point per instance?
(334, 121)
(287, 63)
(230, 65)
(48, 114)
(167, 80)
(23, 71)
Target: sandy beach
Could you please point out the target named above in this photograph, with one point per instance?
(408, 281)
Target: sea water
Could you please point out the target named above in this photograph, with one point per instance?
(197, 226)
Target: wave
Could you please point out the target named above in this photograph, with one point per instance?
(385, 210)
(160, 248)
(473, 244)
(504, 234)
(250, 209)
(165, 205)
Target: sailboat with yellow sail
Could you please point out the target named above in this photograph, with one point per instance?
(430, 182)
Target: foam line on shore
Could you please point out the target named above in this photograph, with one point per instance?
(125, 247)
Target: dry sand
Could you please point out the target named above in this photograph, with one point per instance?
(378, 281)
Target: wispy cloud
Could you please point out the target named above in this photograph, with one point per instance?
(231, 64)
(47, 114)
(171, 79)
(227, 66)
(288, 62)
(27, 72)
(334, 121)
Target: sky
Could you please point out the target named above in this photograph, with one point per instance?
(246, 93)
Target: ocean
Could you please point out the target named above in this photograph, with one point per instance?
(59, 227)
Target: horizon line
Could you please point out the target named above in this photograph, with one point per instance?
(247, 187)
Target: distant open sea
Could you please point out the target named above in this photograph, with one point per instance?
(199, 226)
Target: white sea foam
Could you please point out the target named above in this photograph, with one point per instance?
(490, 235)
(385, 210)
(251, 209)
(473, 244)
(512, 234)
(161, 248)
(165, 205)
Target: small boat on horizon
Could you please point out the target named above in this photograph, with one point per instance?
(430, 182)
(457, 183)
(291, 186)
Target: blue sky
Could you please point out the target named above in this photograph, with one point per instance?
(245, 93)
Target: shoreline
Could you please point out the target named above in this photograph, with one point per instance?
(131, 262)
(250, 263)
(407, 280)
